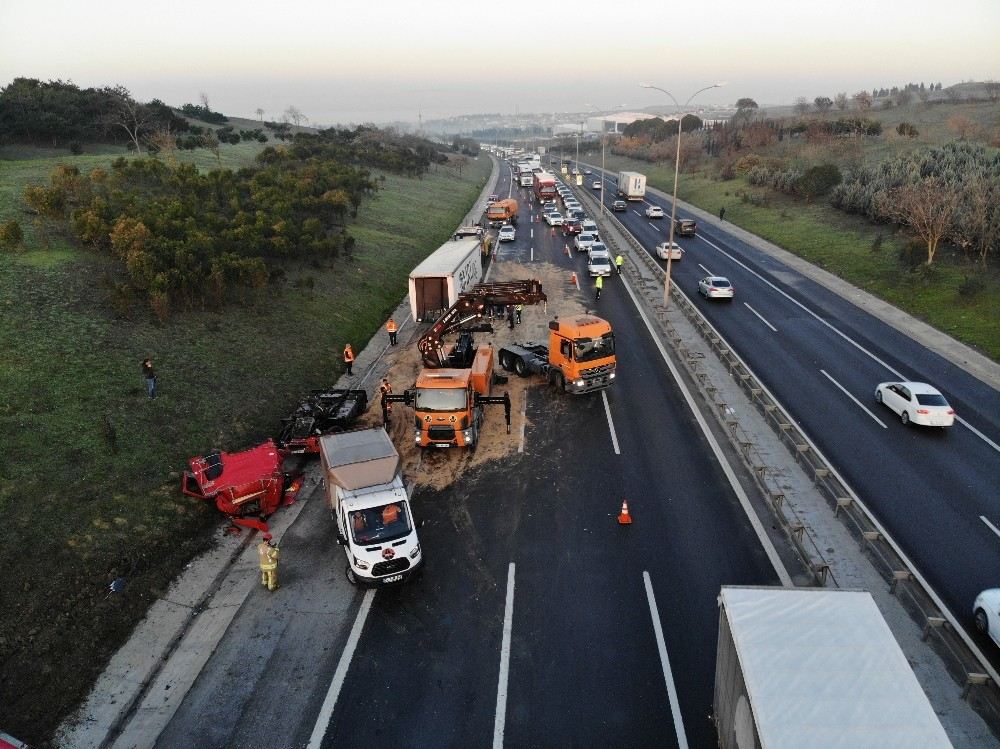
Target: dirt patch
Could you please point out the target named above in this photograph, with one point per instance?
(438, 469)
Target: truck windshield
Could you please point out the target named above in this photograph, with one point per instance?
(375, 525)
(440, 399)
(588, 349)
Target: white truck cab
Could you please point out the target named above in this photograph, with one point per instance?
(369, 503)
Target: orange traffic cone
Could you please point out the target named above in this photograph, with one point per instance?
(566, 250)
(624, 518)
(572, 279)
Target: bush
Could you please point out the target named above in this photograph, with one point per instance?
(818, 180)
(11, 236)
(75, 148)
(907, 130)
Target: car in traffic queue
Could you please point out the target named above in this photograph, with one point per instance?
(506, 234)
(669, 251)
(986, 613)
(685, 227)
(654, 211)
(596, 184)
(916, 403)
(590, 227)
(583, 241)
(554, 218)
(548, 205)
(599, 248)
(619, 205)
(576, 213)
(571, 226)
(716, 287)
(599, 263)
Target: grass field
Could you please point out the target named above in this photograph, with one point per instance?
(82, 508)
(956, 297)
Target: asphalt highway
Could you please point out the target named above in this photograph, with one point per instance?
(936, 491)
(539, 620)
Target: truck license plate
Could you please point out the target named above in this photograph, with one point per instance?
(392, 579)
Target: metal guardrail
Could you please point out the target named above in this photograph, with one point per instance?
(966, 663)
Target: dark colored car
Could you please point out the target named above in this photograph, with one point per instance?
(619, 205)
(685, 227)
(572, 226)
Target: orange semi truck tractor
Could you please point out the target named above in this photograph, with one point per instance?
(579, 357)
(503, 211)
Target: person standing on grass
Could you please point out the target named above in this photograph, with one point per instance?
(348, 358)
(722, 213)
(600, 285)
(391, 328)
(149, 377)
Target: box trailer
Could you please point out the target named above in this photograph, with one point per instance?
(816, 668)
(435, 284)
(631, 185)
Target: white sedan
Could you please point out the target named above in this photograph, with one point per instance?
(599, 263)
(554, 218)
(670, 250)
(507, 234)
(916, 403)
(986, 611)
(654, 211)
(596, 184)
(583, 241)
(716, 287)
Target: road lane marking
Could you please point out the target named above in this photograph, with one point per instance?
(611, 424)
(758, 527)
(326, 712)
(636, 213)
(843, 335)
(532, 253)
(532, 233)
(500, 718)
(760, 316)
(856, 401)
(524, 419)
(707, 271)
(652, 226)
(990, 525)
(668, 676)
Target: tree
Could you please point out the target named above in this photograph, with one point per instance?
(979, 228)
(294, 115)
(992, 89)
(203, 97)
(863, 99)
(260, 113)
(801, 106)
(963, 126)
(823, 103)
(134, 118)
(11, 235)
(927, 207)
(907, 130)
(841, 100)
(746, 108)
(903, 98)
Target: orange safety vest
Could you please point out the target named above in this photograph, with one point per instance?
(348, 354)
(391, 326)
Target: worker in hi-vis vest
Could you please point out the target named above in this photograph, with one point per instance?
(267, 552)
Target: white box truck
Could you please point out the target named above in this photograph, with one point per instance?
(816, 668)
(435, 284)
(365, 493)
(631, 185)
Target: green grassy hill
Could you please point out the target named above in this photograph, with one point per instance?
(89, 478)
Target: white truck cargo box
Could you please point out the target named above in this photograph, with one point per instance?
(435, 284)
(817, 669)
(632, 185)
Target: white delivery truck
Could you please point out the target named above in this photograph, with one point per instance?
(816, 668)
(526, 177)
(435, 284)
(365, 493)
(631, 185)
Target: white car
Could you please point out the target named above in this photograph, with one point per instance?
(599, 264)
(654, 211)
(671, 250)
(596, 184)
(589, 226)
(586, 171)
(554, 218)
(716, 287)
(576, 213)
(583, 241)
(986, 612)
(599, 248)
(916, 402)
(507, 234)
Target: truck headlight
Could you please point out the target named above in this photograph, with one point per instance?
(416, 552)
(360, 564)
(467, 434)
(416, 436)
(578, 383)
(611, 376)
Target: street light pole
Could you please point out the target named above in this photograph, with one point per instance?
(677, 166)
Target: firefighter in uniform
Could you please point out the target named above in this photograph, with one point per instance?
(267, 553)
(348, 358)
(391, 328)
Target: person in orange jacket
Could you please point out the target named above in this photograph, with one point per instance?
(391, 328)
(348, 358)
(267, 553)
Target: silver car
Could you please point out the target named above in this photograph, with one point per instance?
(507, 234)
(716, 287)
(584, 241)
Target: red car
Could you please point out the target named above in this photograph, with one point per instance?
(571, 226)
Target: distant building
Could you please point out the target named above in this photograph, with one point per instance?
(615, 123)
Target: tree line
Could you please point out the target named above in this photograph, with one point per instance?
(184, 239)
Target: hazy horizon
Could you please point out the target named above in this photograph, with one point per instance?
(383, 62)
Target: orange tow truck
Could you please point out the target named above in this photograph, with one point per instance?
(579, 357)
(455, 385)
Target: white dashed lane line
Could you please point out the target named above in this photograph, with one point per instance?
(856, 401)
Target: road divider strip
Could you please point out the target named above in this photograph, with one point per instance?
(668, 676)
(611, 423)
(761, 317)
(856, 401)
(500, 717)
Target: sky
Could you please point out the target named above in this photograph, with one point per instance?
(386, 60)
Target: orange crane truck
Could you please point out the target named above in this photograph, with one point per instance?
(579, 357)
(454, 387)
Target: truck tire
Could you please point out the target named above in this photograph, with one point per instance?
(520, 367)
(505, 361)
(560, 382)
